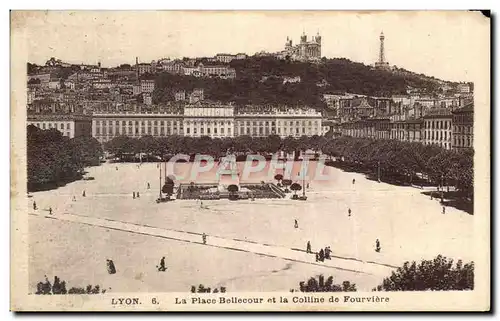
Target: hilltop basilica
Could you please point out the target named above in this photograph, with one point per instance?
(304, 51)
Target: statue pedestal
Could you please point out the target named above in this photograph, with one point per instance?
(228, 172)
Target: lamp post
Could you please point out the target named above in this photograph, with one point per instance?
(442, 188)
(378, 171)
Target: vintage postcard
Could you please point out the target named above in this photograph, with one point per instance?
(250, 161)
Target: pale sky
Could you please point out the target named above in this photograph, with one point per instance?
(446, 45)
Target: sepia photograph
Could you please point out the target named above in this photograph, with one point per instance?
(250, 160)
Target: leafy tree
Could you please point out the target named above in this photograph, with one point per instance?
(147, 144)
(290, 144)
(124, 66)
(32, 68)
(303, 143)
(278, 177)
(273, 143)
(242, 143)
(295, 187)
(168, 187)
(286, 183)
(90, 150)
(121, 145)
(439, 274)
(52, 158)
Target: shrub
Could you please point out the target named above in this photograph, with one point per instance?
(439, 274)
(320, 285)
(59, 287)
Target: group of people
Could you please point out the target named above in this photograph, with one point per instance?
(136, 195)
(326, 252)
(323, 254)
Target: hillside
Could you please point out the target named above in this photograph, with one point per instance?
(260, 81)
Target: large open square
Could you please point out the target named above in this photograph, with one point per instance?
(251, 245)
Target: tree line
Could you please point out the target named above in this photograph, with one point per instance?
(393, 157)
(438, 274)
(59, 287)
(122, 146)
(54, 159)
(411, 160)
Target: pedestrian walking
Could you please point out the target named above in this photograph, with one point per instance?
(296, 224)
(74, 199)
(349, 211)
(444, 210)
(34, 205)
(162, 267)
(50, 210)
(307, 185)
(204, 238)
(138, 195)
(133, 195)
(116, 167)
(149, 186)
(353, 181)
(308, 247)
(83, 194)
(377, 246)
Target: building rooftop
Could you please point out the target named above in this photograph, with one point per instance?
(438, 113)
(57, 117)
(467, 108)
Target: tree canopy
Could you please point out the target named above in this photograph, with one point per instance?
(439, 274)
(54, 158)
(407, 159)
(159, 146)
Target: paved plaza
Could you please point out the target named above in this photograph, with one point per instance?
(251, 245)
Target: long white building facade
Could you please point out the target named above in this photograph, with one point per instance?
(216, 121)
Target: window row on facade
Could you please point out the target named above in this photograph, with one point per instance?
(63, 127)
(438, 124)
(49, 125)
